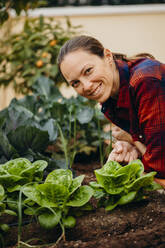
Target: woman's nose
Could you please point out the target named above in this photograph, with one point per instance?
(87, 85)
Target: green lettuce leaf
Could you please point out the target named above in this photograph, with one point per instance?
(20, 171)
(2, 192)
(47, 195)
(108, 182)
(60, 176)
(69, 222)
(76, 183)
(119, 185)
(49, 220)
(58, 194)
(80, 197)
(142, 181)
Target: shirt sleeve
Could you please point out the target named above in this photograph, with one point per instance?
(147, 119)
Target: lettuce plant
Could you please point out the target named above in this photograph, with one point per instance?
(16, 173)
(119, 185)
(19, 171)
(3, 212)
(55, 200)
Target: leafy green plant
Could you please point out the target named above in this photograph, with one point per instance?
(55, 200)
(41, 40)
(3, 210)
(77, 117)
(13, 175)
(47, 126)
(22, 135)
(17, 172)
(119, 185)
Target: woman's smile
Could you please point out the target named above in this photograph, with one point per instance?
(97, 91)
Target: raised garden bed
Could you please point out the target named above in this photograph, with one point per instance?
(136, 225)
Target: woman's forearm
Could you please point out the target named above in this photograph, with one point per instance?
(120, 134)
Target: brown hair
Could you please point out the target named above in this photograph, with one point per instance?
(93, 46)
(139, 55)
(83, 42)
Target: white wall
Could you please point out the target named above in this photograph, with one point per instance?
(128, 34)
(129, 29)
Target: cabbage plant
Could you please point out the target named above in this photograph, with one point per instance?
(55, 200)
(119, 185)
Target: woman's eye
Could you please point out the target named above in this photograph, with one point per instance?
(88, 70)
(75, 84)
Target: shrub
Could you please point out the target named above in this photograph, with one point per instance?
(33, 52)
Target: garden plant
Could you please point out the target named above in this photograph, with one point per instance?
(56, 189)
(41, 39)
(58, 199)
(46, 125)
(118, 185)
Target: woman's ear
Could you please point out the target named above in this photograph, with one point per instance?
(108, 55)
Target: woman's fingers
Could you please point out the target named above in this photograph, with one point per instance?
(112, 156)
(118, 148)
(123, 152)
(120, 157)
(127, 158)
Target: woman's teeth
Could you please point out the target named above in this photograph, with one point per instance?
(96, 90)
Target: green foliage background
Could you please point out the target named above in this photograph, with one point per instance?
(33, 52)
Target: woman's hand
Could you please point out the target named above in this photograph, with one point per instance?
(122, 135)
(123, 152)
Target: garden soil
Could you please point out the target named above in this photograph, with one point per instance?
(136, 225)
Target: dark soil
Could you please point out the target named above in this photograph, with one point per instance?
(137, 225)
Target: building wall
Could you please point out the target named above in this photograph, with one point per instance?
(126, 29)
(128, 34)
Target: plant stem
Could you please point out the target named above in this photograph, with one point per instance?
(27, 245)
(64, 145)
(2, 241)
(19, 217)
(100, 142)
(110, 134)
(62, 227)
(74, 142)
(70, 125)
(62, 235)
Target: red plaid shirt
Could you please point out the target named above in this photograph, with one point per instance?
(140, 108)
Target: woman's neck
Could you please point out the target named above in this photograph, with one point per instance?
(116, 81)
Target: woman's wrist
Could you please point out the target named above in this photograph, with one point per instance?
(140, 147)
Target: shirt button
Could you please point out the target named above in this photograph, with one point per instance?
(140, 136)
(103, 109)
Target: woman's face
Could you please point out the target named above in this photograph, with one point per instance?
(91, 76)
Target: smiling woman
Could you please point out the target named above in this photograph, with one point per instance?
(131, 92)
(90, 75)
